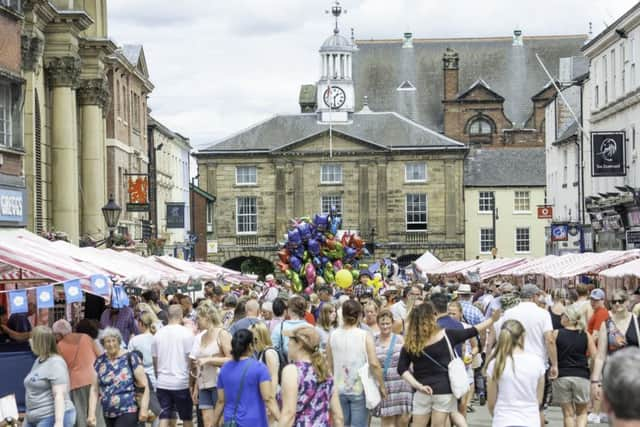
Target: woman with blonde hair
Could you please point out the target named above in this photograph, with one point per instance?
(308, 391)
(327, 323)
(515, 386)
(47, 384)
(571, 388)
(211, 349)
(266, 353)
(427, 348)
(147, 324)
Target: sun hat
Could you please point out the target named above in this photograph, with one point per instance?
(464, 289)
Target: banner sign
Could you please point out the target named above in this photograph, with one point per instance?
(13, 207)
(18, 302)
(608, 154)
(100, 284)
(559, 232)
(545, 212)
(44, 296)
(138, 190)
(73, 291)
(175, 215)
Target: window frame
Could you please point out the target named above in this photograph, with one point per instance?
(491, 199)
(339, 197)
(515, 202)
(426, 213)
(516, 240)
(476, 120)
(238, 215)
(324, 173)
(246, 184)
(480, 240)
(209, 217)
(413, 164)
(6, 137)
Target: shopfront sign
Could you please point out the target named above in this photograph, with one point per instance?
(545, 212)
(212, 246)
(13, 207)
(608, 154)
(559, 232)
(633, 239)
(175, 215)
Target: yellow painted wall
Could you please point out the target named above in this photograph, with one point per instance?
(506, 224)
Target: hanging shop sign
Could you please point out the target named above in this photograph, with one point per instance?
(633, 238)
(13, 206)
(212, 246)
(138, 189)
(559, 232)
(545, 212)
(175, 215)
(634, 218)
(608, 154)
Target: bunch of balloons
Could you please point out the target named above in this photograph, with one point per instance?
(312, 251)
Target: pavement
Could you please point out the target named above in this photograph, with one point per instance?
(481, 418)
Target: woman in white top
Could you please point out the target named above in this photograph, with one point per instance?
(211, 349)
(515, 380)
(348, 349)
(142, 343)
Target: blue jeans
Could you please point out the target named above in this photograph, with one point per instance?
(68, 421)
(354, 410)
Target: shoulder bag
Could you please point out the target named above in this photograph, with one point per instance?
(389, 356)
(458, 378)
(154, 404)
(233, 422)
(371, 391)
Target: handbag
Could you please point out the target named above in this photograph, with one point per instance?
(233, 422)
(371, 392)
(154, 408)
(457, 373)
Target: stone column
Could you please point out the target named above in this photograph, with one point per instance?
(363, 197)
(382, 229)
(281, 199)
(93, 98)
(298, 189)
(452, 191)
(63, 74)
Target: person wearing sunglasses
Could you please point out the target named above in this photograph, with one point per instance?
(619, 331)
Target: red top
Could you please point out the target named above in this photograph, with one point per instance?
(599, 315)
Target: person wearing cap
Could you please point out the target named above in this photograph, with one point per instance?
(362, 289)
(600, 313)
(571, 388)
(470, 313)
(309, 395)
(270, 291)
(538, 337)
(121, 318)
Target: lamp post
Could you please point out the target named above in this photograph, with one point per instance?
(111, 212)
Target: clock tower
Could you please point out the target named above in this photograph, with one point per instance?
(335, 88)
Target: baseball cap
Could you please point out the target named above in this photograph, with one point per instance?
(506, 288)
(597, 294)
(308, 336)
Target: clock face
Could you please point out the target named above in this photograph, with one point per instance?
(335, 97)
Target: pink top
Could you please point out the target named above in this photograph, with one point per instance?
(79, 352)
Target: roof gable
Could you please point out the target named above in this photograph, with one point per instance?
(480, 91)
(341, 141)
(134, 53)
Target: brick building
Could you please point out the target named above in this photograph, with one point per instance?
(202, 224)
(13, 200)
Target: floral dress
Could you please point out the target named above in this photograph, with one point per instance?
(399, 392)
(314, 398)
(117, 384)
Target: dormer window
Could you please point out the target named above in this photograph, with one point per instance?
(406, 86)
(480, 127)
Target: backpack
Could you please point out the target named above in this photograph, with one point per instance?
(282, 360)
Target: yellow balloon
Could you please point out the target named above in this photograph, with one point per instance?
(344, 278)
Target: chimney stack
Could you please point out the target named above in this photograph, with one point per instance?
(407, 42)
(450, 61)
(517, 38)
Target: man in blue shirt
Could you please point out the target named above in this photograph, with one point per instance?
(470, 313)
(440, 302)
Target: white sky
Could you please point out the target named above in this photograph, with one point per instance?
(219, 66)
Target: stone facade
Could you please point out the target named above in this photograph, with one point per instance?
(372, 190)
(64, 49)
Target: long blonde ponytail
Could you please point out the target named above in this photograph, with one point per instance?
(511, 336)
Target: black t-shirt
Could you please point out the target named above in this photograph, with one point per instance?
(572, 353)
(432, 370)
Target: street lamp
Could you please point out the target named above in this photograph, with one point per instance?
(111, 212)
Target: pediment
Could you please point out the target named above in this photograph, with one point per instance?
(142, 64)
(341, 142)
(480, 91)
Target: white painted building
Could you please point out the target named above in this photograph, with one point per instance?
(611, 103)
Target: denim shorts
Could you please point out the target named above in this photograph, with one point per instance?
(172, 401)
(68, 421)
(207, 398)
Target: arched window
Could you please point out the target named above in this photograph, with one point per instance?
(480, 126)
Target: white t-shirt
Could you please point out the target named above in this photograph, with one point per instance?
(143, 343)
(171, 346)
(209, 375)
(517, 401)
(399, 310)
(536, 322)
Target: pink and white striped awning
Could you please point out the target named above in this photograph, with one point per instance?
(629, 269)
(496, 267)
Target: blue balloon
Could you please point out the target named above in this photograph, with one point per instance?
(321, 222)
(305, 231)
(294, 238)
(295, 263)
(336, 222)
(313, 246)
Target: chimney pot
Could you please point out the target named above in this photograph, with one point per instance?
(408, 40)
(517, 38)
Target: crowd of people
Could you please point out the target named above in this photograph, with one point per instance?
(410, 354)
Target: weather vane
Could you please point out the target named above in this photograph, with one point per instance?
(336, 11)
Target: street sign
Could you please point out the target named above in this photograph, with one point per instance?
(545, 212)
(559, 232)
(608, 154)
